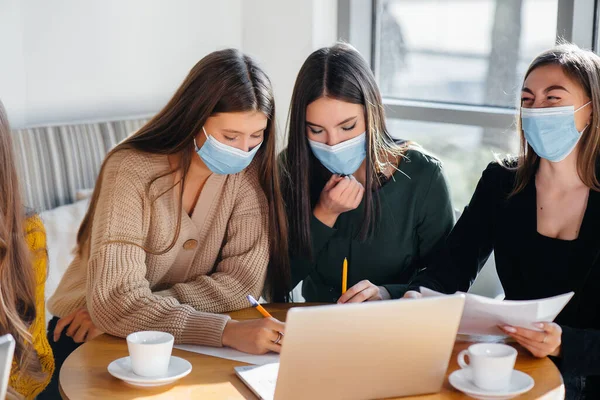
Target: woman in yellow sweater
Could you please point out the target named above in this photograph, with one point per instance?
(23, 264)
(186, 220)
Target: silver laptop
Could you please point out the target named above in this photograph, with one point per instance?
(361, 351)
(7, 349)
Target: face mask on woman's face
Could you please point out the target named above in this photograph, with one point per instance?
(223, 159)
(344, 158)
(551, 131)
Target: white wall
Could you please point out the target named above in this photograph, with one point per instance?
(280, 34)
(72, 60)
(12, 66)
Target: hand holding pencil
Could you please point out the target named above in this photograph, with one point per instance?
(362, 291)
(279, 340)
(254, 336)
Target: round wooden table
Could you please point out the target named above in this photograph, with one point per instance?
(84, 374)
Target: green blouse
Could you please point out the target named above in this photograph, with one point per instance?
(416, 215)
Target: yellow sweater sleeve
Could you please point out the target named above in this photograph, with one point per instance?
(36, 241)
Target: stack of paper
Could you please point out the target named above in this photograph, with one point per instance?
(482, 315)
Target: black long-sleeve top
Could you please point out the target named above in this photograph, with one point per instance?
(530, 265)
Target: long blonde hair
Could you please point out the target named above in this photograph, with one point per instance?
(583, 66)
(17, 278)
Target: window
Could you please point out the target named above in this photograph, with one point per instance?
(460, 51)
(450, 70)
(465, 150)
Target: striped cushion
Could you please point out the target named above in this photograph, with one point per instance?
(54, 162)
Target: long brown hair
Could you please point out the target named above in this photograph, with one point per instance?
(223, 81)
(338, 72)
(583, 66)
(17, 278)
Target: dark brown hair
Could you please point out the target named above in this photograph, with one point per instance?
(338, 72)
(583, 67)
(223, 81)
(17, 277)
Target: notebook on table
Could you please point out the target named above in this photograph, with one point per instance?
(260, 379)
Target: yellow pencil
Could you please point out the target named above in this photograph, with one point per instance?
(345, 276)
(260, 308)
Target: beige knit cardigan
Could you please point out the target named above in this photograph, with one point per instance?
(221, 254)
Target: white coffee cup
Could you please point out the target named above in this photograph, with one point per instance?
(150, 352)
(490, 365)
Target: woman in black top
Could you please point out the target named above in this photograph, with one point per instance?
(540, 214)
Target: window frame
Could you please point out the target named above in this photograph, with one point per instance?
(577, 22)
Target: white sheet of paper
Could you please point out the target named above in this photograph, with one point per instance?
(231, 354)
(482, 315)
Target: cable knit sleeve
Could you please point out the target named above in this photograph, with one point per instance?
(119, 297)
(242, 267)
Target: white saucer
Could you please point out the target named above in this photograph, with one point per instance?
(121, 369)
(520, 383)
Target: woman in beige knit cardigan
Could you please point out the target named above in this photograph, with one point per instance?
(185, 216)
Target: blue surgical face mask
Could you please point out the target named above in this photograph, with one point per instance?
(343, 158)
(551, 131)
(223, 159)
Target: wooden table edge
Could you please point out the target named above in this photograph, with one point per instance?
(557, 392)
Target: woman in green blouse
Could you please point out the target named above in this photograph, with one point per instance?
(354, 192)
